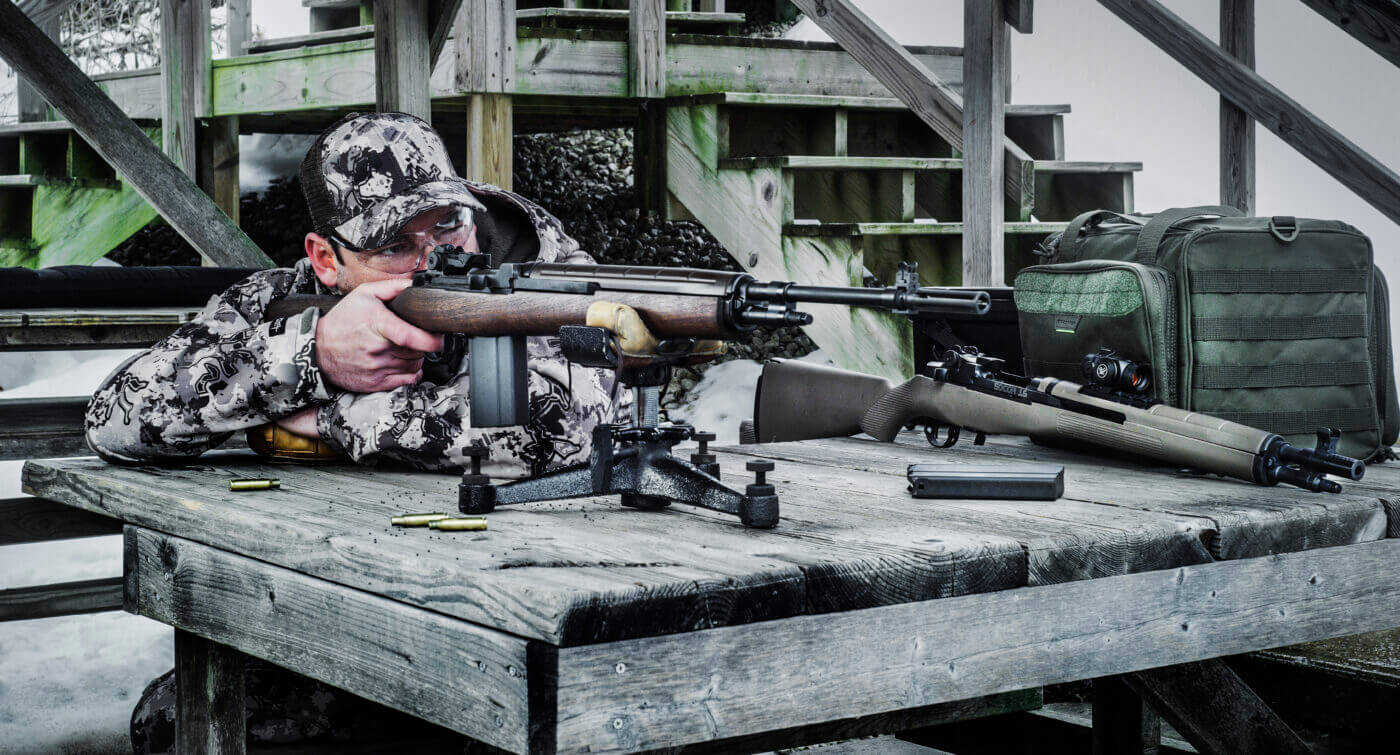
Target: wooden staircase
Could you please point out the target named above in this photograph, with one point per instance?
(824, 189)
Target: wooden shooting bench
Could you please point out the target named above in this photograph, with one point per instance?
(581, 626)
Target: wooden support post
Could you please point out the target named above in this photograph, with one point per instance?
(1209, 705)
(646, 80)
(122, 143)
(1356, 169)
(209, 705)
(238, 25)
(442, 16)
(984, 126)
(401, 57)
(185, 77)
(1123, 724)
(32, 106)
(1019, 14)
(1237, 148)
(485, 31)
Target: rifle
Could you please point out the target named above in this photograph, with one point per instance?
(683, 313)
(969, 390)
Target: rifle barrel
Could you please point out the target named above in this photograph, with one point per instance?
(924, 300)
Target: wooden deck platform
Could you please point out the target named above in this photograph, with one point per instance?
(582, 626)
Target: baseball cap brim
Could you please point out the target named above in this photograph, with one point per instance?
(379, 224)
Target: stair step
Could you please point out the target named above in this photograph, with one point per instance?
(911, 229)
(32, 127)
(20, 180)
(36, 427)
(843, 162)
(831, 101)
(328, 37)
(575, 17)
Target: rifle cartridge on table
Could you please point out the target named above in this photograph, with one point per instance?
(968, 390)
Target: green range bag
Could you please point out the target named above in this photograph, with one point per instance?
(1281, 323)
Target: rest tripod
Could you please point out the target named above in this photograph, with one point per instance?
(635, 461)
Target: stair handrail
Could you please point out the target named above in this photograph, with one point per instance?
(1374, 23)
(1298, 127)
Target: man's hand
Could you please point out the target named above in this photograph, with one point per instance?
(302, 423)
(363, 347)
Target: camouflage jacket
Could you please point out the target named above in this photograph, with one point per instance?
(230, 369)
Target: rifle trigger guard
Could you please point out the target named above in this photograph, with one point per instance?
(931, 432)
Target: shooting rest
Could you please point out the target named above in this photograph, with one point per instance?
(633, 460)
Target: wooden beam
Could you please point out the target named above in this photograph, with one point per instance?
(649, 157)
(122, 144)
(1291, 122)
(209, 701)
(217, 168)
(984, 134)
(1237, 144)
(442, 16)
(925, 94)
(485, 46)
(31, 105)
(490, 139)
(1020, 14)
(65, 599)
(185, 76)
(401, 47)
(38, 520)
(1374, 23)
(967, 646)
(646, 40)
(1122, 722)
(1209, 705)
(238, 26)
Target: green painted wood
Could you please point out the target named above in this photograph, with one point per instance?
(608, 16)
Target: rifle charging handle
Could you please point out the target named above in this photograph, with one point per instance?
(703, 459)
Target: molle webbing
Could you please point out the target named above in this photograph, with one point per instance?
(1279, 375)
(1306, 421)
(1277, 328)
(1105, 293)
(1255, 281)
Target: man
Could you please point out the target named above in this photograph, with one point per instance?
(382, 194)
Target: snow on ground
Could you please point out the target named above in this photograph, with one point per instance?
(68, 684)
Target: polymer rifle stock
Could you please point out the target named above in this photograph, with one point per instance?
(497, 306)
(970, 391)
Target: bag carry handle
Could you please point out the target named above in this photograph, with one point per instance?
(1158, 225)
(1068, 249)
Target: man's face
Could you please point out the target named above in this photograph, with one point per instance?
(404, 255)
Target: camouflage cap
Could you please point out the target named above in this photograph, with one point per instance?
(370, 173)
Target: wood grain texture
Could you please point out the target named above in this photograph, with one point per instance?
(932, 100)
(209, 697)
(1356, 169)
(442, 17)
(1209, 705)
(444, 670)
(402, 35)
(238, 26)
(485, 46)
(985, 57)
(62, 599)
(667, 691)
(1374, 23)
(159, 181)
(217, 169)
(1237, 144)
(542, 314)
(184, 71)
(490, 139)
(646, 42)
(38, 427)
(34, 520)
(30, 105)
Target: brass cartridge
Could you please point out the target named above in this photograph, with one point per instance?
(416, 520)
(459, 524)
(254, 484)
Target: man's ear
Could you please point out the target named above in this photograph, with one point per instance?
(323, 259)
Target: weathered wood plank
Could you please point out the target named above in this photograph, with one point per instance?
(1374, 23)
(699, 22)
(218, 163)
(798, 100)
(985, 58)
(330, 36)
(1237, 149)
(65, 599)
(1020, 15)
(1215, 710)
(123, 144)
(209, 702)
(646, 42)
(37, 427)
(30, 105)
(184, 72)
(920, 89)
(723, 682)
(1356, 169)
(442, 17)
(402, 37)
(485, 47)
(447, 671)
(238, 26)
(649, 157)
(34, 520)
